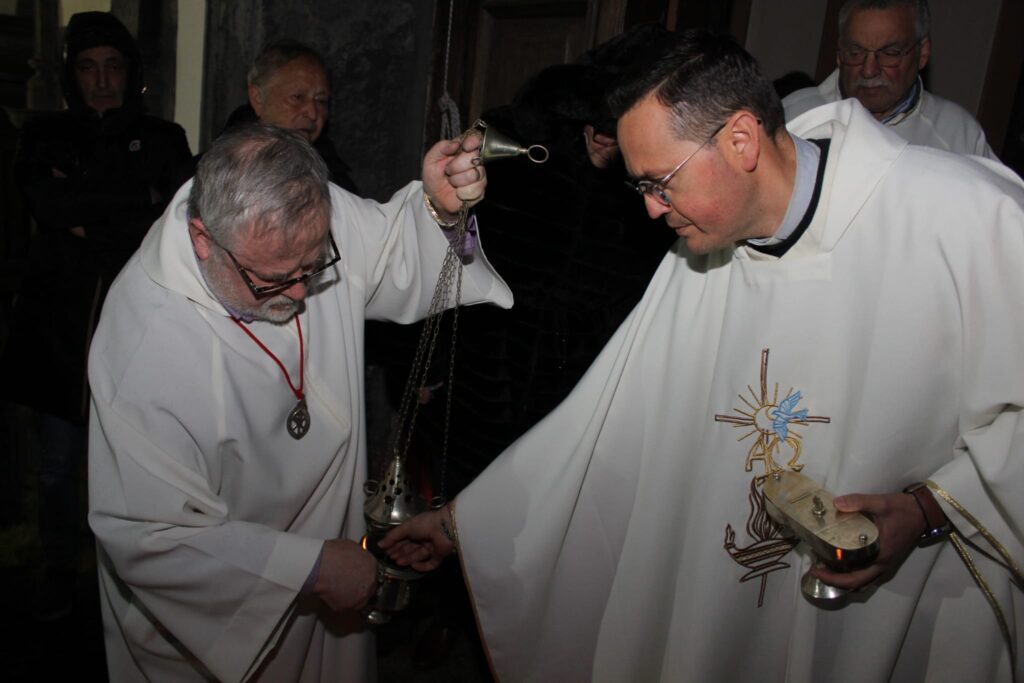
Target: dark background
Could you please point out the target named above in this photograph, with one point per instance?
(390, 61)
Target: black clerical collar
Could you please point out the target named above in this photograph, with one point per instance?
(805, 173)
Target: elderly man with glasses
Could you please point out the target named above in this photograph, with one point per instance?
(883, 45)
(227, 441)
(842, 305)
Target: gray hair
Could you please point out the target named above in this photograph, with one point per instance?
(276, 55)
(262, 178)
(922, 15)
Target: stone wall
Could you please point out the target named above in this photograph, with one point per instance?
(378, 53)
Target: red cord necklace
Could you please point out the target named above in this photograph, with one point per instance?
(298, 418)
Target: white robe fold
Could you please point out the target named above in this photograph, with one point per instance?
(933, 122)
(208, 515)
(624, 538)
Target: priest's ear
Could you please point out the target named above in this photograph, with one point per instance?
(741, 139)
(202, 243)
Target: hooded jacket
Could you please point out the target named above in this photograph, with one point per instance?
(110, 175)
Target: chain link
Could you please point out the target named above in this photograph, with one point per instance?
(448, 279)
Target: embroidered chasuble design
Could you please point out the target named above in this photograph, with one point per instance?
(771, 422)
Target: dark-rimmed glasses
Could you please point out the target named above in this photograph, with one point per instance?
(888, 56)
(657, 189)
(263, 291)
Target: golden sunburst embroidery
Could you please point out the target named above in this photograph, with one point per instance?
(772, 423)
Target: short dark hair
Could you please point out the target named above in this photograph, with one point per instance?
(922, 15)
(258, 176)
(703, 78)
(276, 55)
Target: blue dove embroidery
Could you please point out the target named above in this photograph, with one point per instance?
(784, 414)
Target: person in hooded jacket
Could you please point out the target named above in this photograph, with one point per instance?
(96, 176)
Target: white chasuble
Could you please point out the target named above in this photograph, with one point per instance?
(625, 537)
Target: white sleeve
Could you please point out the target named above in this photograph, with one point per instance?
(986, 475)
(393, 253)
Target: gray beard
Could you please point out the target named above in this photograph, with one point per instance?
(277, 309)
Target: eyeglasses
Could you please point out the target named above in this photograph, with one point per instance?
(262, 291)
(888, 56)
(658, 189)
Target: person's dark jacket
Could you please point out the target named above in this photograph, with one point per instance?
(112, 176)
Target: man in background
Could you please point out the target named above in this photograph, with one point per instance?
(96, 176)
(883, 47)
(288, 86)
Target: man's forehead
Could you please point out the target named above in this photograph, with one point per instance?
(301, 65)
(875, 28)
(99, 53)
(645, 135)
(259, 237)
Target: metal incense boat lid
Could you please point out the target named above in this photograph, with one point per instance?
(840, 540)
(843, 540)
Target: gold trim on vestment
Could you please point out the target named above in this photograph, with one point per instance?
(1011, 566)
(455, 527)
(956, 538)
(961, 549)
